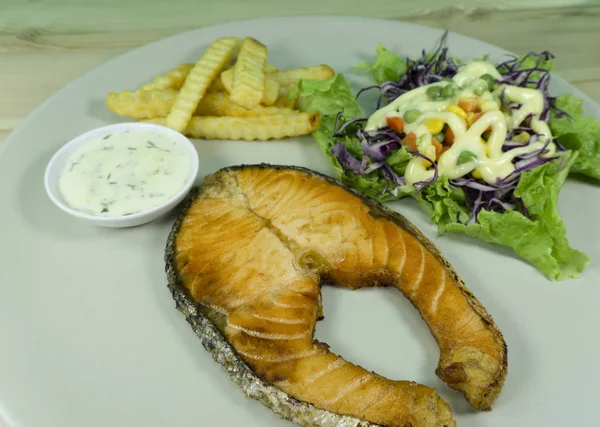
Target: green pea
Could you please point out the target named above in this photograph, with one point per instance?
(491, 82)
(449, 91)
(439, 136)
(411, 116)
(479, 87)
(434, 92)
(465, 157)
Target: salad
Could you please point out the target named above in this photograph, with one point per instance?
(482, 146)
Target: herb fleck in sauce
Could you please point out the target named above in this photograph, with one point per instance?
(124, 173)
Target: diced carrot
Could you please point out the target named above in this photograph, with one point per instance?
(469, 105)
(410, 141)
(445, 148)
(396, 123)
(438, 148)
(448, 136)
(477, 116)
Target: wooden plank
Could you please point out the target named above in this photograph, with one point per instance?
(27, 79)
(3, 135)
(42, 52)
(67, 26)
(571, 34)
(590, 88)
(110, 16)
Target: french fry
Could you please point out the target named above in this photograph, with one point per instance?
(231, 92)
(277, 83)
(149, 104)
(250, 128)
(271, 91)
(291, 77)
(143, 104)
(199, 79)
(216, 86)
(288, 78)
(249, 74)
(220, 104)
(172, 79)
(226, 78)
(284, 100)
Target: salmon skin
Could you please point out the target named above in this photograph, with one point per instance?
(245, 261)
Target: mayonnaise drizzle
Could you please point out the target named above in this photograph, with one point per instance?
(489, 160)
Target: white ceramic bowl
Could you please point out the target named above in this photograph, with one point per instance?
(57, 163)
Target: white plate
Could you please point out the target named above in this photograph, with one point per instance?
(89, 335)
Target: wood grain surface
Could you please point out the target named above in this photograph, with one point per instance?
(44, 44)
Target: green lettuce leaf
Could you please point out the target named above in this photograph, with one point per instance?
(387, 66)
(399, 160)
(372, 184)
(444, 203)
(329, 97)
(578, 133)
(541, 240)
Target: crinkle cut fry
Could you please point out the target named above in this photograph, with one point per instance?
(153, 104)
(250, 128)
(172, 79)
(205, 71)
(248, 84)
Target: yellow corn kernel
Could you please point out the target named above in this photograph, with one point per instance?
(476, 174)
(470, 117)
(489, 106)
(457, 110)
(434, 125)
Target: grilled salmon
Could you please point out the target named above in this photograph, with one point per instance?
(246, 260)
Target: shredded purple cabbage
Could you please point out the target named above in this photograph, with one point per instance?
(392, 176)
(496, 198)
(429, 68)
(514, 74)
(346, 159)
(377, 146)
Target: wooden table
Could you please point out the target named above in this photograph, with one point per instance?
(44, 44)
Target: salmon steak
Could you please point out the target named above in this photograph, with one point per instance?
(246, 260)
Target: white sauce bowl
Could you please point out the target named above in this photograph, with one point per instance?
(58, 161)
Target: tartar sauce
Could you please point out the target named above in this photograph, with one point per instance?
(124, 173)
(488, 158)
